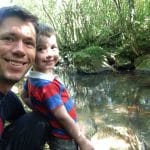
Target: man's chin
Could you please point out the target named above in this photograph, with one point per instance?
(12, 79)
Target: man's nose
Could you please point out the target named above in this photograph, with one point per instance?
(19, 48)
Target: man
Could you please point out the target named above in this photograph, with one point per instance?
(18, 30)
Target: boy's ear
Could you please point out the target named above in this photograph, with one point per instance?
(60, 58)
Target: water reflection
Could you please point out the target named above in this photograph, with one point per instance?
(113, 107)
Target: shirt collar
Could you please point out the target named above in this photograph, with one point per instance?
(40, 75)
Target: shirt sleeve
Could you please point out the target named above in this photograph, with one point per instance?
(52, 96)
(13, 107)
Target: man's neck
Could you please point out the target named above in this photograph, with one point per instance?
(5, 88)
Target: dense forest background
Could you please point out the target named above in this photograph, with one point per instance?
(112, 27)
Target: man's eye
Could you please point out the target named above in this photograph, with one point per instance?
(8, 39)
(39, 48)
(30, 43)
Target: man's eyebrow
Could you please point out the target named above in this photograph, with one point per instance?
(8, 33)
(15, 34)
(30, 38)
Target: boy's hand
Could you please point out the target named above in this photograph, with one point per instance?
(85, 144)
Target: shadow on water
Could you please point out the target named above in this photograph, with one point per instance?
(113, 109)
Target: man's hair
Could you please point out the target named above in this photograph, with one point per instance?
(45, 30)
(21, 13)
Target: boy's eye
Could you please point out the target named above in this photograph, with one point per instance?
(53, 46)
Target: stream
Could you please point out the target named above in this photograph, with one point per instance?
(113, 108)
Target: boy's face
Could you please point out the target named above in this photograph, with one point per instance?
(47, 54)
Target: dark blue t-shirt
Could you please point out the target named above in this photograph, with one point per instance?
(10, 109)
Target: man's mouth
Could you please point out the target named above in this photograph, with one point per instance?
(16, 62)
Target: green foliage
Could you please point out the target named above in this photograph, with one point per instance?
(87, 55)
(143, 62)
(89, 59)
(105, 23)
(93, 51)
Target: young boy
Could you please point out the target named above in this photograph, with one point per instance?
(44, 92)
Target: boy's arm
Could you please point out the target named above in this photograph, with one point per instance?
(72, 128)
(26, 99)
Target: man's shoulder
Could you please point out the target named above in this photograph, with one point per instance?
(12, 98)
(12, 95)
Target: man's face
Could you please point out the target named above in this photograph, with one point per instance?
(17, 49)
